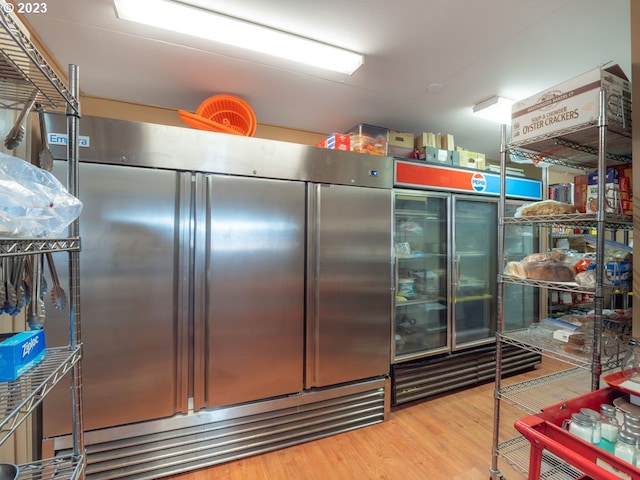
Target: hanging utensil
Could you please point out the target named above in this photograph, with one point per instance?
(3, 290)
(36, 316)
(16, 134)
(18, 280)
(58, 296)
(45, 158)
(10, 306)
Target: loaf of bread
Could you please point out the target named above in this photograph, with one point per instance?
(516, 269)
(552, 256)
(546, 207)
(548, 266)
(550, 272)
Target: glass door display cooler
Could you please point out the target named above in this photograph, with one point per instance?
(446, 286)
(446, 269)
(445, 249)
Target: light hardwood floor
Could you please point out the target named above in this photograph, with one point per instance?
(448, 437)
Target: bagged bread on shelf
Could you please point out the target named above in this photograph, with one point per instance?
(545, 207)
(548, 266)
(586, 278)
(515, 269)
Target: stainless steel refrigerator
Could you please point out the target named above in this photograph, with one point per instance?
(223, 273)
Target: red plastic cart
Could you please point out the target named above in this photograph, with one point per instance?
(544, 432)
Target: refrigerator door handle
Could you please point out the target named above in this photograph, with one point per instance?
(312, 274)
(456, 270)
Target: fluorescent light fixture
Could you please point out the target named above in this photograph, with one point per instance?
(497, 109)
(198, 22)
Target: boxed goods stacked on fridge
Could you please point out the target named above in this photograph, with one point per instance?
(468, 159)
(435, 148)
(443, 141)
(400, 144)
(573, 104)
(336, 141)
(368, 139)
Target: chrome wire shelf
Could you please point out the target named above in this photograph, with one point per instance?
(58, 468)
(12, 246)
(534, 395)
(19, 398)
(23, 70)
(578, 356)
(574, 220)
(516, 453)
(562, 286)
(577, 147)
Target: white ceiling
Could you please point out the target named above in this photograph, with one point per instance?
(469, 50)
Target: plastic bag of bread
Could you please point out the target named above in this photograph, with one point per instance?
(586, 278)
(545, 207)
(549, 266)
(515, 269)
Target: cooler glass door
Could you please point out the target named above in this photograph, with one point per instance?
(421, 321)
(474, 274)
(521, 303)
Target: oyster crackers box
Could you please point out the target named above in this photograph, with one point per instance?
(20, 352)
(572, 104)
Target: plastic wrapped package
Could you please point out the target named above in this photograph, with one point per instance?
(33, 203)
(549, 267)
(545, 207)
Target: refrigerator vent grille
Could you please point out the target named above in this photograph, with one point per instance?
(177, 450)
(434, 376)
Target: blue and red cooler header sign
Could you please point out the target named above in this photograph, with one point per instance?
(412, 174)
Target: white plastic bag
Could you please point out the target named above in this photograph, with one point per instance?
(33, 203)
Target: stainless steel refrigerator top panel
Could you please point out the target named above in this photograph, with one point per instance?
(121, 142)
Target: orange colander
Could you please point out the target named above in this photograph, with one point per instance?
(223, 113)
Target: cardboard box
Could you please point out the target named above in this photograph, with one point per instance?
(20, 352)
(400, 144)
(611, 189)
(625, 185)
(468, 159)
(580, 192)
(446, 142)
(400, 139)
(572, 104)
(338, 141)
(437, 155)
(368, 139)
(426, 139)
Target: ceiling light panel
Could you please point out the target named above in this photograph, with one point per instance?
(201, 23)
(496, 109)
